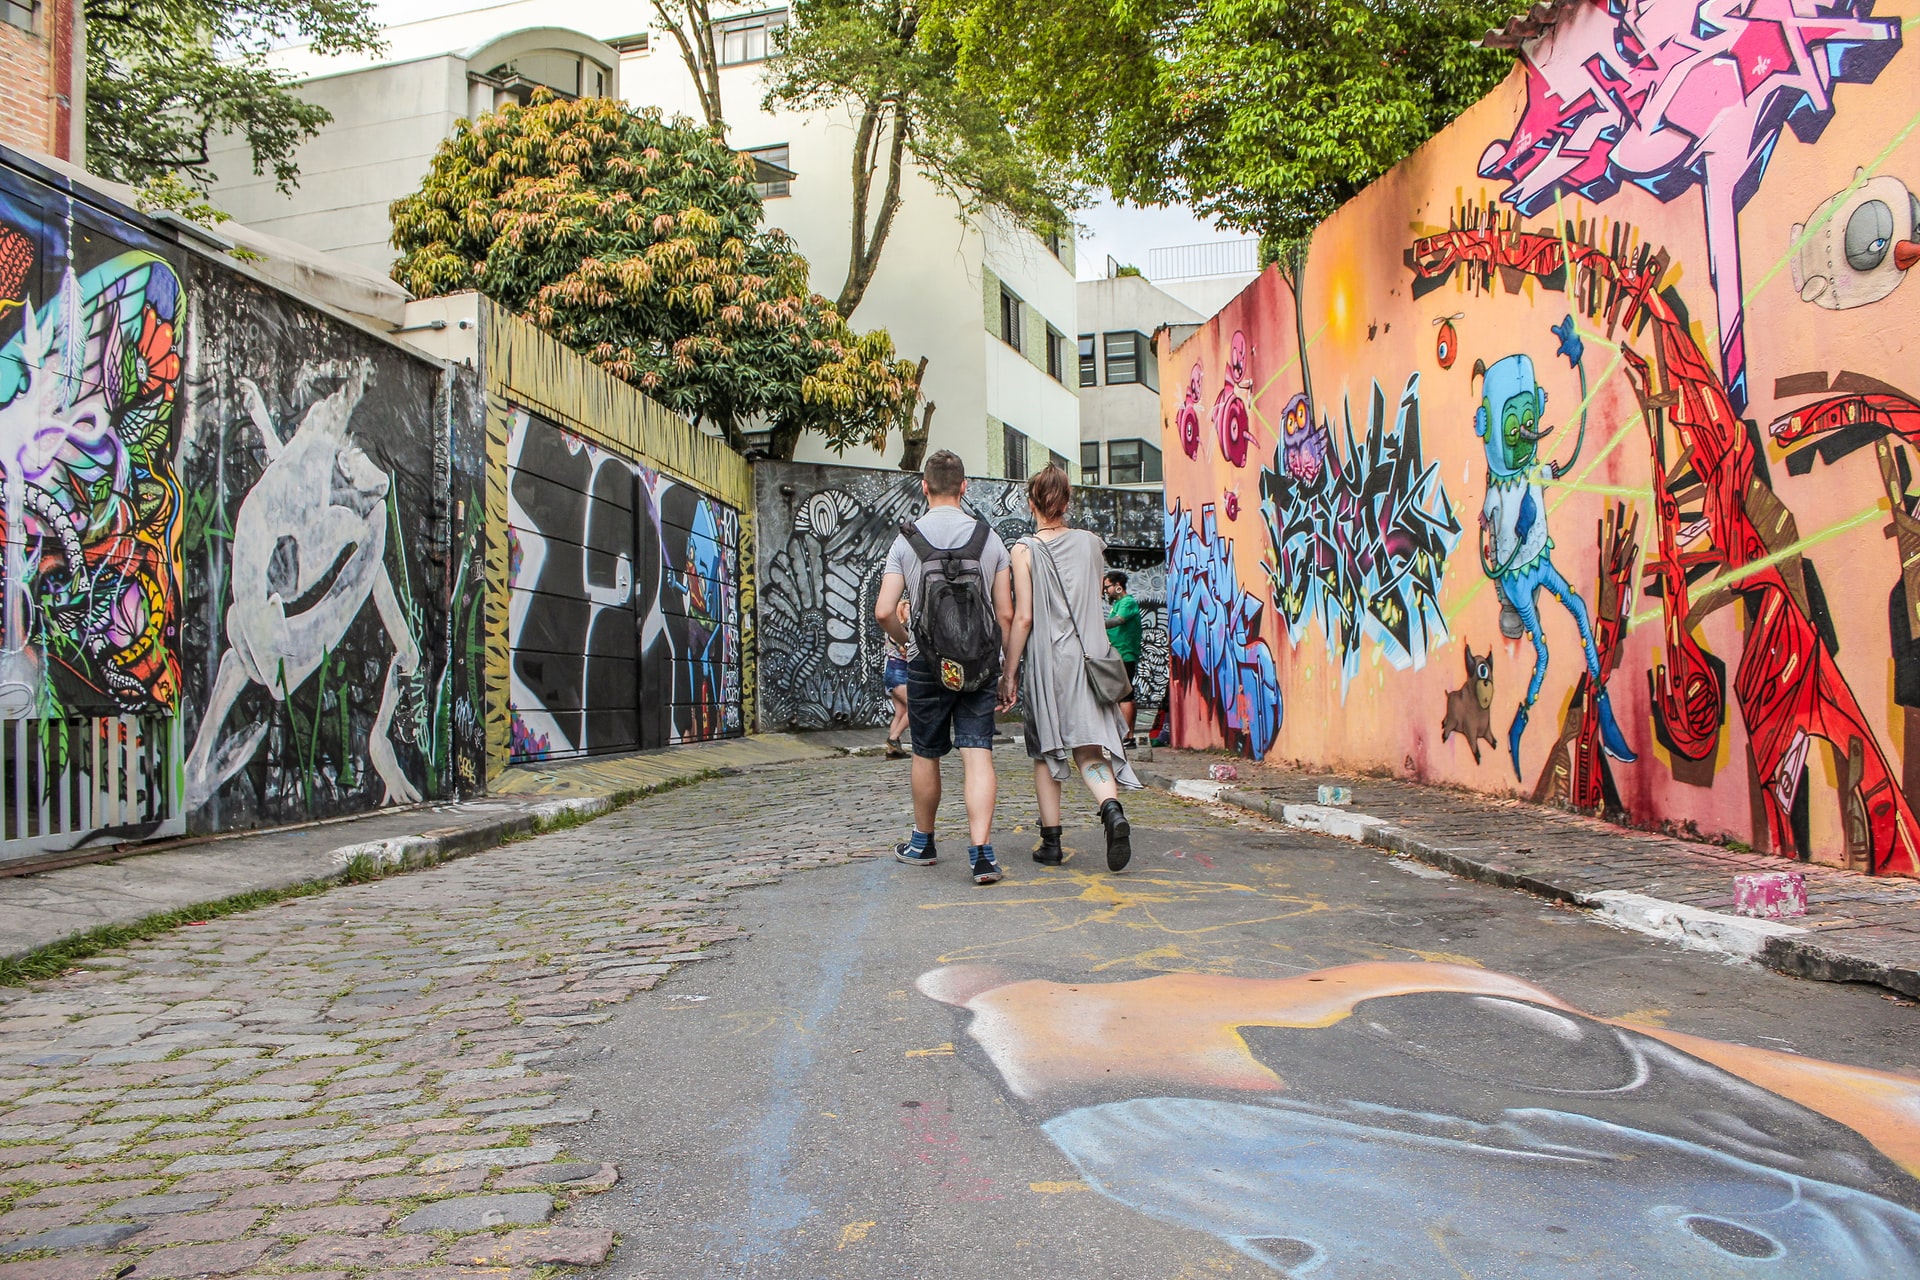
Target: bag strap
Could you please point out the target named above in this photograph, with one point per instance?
(922, 549)
(976, 544)
(1060, 582)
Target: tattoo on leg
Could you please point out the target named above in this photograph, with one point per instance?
(1098, 771)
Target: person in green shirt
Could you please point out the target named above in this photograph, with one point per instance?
(1123, 631)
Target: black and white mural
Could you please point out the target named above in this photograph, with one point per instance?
(823, 534)
(623, 623)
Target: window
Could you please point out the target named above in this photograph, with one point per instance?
(1090, 462)
(748, 38)
(18, 13)
(1130, 359)
(1016, 467)
(1056, 355)
(1057, 460)
(1132, 462)
(1089, 364)
(1010, 321)
(1053, 243)
(776, 157)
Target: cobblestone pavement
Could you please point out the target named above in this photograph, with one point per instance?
(353, 1082)
(1876, 916)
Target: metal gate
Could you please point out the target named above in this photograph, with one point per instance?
(84, 780)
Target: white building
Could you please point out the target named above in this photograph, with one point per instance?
(990, 305)
(1118, 368)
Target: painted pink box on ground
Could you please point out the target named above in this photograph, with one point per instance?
(1770, 894)
(1223, 772)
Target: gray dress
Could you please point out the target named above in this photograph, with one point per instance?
(1062, 711)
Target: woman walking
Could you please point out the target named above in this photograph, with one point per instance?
(1059, 629)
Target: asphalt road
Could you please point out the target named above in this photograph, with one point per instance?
(1256, 1053)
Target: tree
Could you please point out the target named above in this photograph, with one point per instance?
(164, 77)
(636, 241)
(1266, 115)
(690, 23)
(900, 86)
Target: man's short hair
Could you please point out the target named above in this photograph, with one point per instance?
(945, 474)
(1117, 578)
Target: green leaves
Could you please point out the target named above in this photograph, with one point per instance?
(635, 240)
(164, 78)
(1263, 114)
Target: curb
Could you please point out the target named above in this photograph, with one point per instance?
(1786, 948)
(391, 856)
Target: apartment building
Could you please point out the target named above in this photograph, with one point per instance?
(989, 304)
(43, 94)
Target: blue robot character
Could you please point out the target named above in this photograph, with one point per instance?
(1515, 549)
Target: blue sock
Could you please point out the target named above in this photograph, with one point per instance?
(979, 851)
(921, 839)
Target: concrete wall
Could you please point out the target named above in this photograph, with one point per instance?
(1695, 603)
(823, 535)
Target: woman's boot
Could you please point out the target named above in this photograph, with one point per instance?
(1119, 835)
(1047, 853)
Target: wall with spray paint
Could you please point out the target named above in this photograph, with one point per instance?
(92, 314)
(331, 478)
(620, 553)
(826, 531)
(1577, 458)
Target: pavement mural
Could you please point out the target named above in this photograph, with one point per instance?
(1394, 1120)
(1645, 304)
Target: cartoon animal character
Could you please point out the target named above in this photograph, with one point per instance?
(1516, 551)
(1232, 418)
(313, 525)
(1304, 443)
(1865, 241)
(1188, 417)
(1470, 707)
(1446, 344)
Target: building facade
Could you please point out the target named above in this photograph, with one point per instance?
(43, 94)
(990, 305)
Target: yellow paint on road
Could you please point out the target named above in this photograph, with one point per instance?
(854, 1233)
(1643, 1017)
(1442, 957)
(938, 1051)
(1058, 1188)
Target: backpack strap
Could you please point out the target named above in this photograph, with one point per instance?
(976, 545)
(922, 549)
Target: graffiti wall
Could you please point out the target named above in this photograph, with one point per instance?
(1578, 458)
(824, 536)
(329, 515)
(624, 618)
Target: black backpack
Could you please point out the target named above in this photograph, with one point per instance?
(954, 621)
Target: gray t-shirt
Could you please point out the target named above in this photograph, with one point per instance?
(946, 527)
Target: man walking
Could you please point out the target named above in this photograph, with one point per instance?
(957, 577)
(1123, 632)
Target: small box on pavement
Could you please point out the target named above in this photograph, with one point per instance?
(1336, 795)
(1770, 895)
(1223, 772)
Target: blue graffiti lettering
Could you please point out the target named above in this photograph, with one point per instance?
(1213, 629)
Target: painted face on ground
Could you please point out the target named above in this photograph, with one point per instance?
(1425, 1120)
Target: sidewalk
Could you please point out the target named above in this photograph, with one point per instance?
(44, 908)
(1857, 928)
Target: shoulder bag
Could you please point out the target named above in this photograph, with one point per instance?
(1106, 676)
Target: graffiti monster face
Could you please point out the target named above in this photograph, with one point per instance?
(1865, 242)
(1188, 417)
(1512, 405)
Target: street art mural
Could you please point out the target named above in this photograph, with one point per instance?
(1423, 1120)
(623, 623)
(1213, 631)
(327, 599)
(91, 317)
(1682, 418)
(825, 532)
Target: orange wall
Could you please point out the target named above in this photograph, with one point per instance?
(1770, 696)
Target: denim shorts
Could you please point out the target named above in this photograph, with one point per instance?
(941, 719)
(896, 674)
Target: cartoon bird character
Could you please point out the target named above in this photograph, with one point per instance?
(1515, 549)
(1865, 240)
